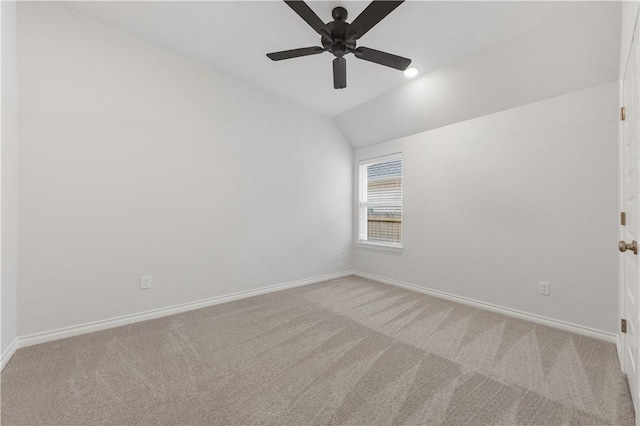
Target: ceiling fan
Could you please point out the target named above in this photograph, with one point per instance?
(339, 38)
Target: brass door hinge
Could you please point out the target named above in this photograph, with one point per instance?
(623, 113)
(623, 325)
(623, 218)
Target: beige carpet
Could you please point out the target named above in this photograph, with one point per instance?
(346, 351)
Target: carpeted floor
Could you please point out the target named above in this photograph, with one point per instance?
(346, 351)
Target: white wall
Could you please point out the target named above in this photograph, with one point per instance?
(629, 12)
(551, 60)
(9, 177)
(498, 203)
(135, 161)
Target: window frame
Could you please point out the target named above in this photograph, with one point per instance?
(363, 204)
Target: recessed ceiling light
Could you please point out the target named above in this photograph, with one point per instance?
(411, 72)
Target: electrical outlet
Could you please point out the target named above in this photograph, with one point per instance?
(544, 288)
(338, 257)
(145, 282)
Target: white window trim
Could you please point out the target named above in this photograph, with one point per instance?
(380, 245)
(397, 248)
(382, 159)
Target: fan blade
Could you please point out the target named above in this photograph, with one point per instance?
(382, 58)
(339, 73)
(295, 53)
(310, 17)
(374, 13)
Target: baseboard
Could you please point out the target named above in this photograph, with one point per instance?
(5, 357)
(61, 333)
(563, 325)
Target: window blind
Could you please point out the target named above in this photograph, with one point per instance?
(380, 218)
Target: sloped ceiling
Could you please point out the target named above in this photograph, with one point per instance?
(554, 59)
(474, 57)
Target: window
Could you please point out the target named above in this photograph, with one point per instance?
(380, 219)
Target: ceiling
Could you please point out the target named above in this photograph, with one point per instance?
(556, 58)
(233, 37)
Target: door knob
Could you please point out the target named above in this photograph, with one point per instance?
(633, 246)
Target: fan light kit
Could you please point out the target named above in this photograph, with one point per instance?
(339, 38)
(411, 72)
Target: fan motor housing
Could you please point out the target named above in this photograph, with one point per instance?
(338, 28)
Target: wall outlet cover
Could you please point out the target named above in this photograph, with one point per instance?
(544, 288)
(145, 282)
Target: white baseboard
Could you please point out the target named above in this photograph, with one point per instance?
(5, 357)
(61, 333)
(563, 325)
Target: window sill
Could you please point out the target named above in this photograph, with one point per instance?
(381, 247)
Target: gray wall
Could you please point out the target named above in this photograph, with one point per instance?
(135, 161)
(9, 154)
(496, 204)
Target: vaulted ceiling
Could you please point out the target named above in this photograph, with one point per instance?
(570, 43)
